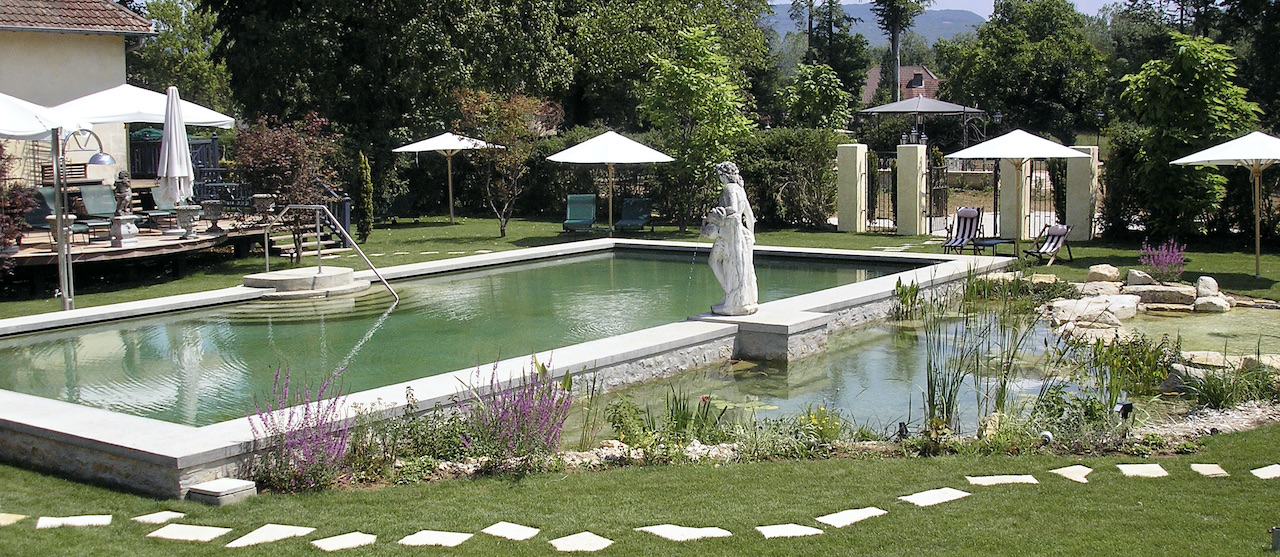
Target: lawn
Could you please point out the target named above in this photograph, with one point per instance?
(1177, 515)
(431, 238)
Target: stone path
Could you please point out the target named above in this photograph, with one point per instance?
(588, 541)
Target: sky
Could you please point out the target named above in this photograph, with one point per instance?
(983, 7)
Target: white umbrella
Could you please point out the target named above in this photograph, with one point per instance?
(447, 144)
(127, 104)
(609, 149)
(174, 174)
(28, 121)
(1255, 151)
(1017, 147)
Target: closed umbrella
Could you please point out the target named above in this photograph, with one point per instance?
(447, 144)
(609, 148)
(174, 175)
(1255, 151)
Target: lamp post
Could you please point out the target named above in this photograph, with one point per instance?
(66, 286)
(1099, 115)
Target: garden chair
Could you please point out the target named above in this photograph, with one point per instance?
(967, 226)
(163, 215)
(580, 212)
(1051, 239)
(99, 201)
(637, 213)
(44, 207)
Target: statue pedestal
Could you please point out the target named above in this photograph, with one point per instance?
(124, 233)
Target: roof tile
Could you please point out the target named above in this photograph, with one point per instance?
(93, 16)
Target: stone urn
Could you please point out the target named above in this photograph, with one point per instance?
(187, 215)
(263, 203)
(212, 212)
(52, 220)
(124, 233)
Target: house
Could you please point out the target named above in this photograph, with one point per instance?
(914, 81)
(52, 51)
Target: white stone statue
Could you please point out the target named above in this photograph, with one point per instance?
(731, 225)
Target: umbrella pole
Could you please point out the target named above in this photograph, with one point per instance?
(610, 193)
(448, 161)
(62, 231)
(1257, 223)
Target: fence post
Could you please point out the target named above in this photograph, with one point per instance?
(1015, 201)
(1082, 193)
(913, 188)
(851, 182)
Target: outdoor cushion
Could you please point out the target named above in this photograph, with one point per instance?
(636, 214)
(580, 212)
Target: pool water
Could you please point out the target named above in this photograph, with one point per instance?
(208, 365)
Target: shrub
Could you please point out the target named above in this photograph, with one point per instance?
(300, 438)
(1225, 388)
(16, 200)
(1165, 262)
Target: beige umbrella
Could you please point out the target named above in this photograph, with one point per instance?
(609, 149)
(447, 144)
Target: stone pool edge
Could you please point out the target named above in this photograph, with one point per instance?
(163, 459)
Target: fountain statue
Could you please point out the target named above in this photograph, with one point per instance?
(731, 225)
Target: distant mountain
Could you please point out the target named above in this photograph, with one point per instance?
(932, 25)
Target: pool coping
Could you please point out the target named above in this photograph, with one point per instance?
(163, 458)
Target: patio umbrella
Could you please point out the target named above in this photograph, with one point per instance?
(128, 104)
(1255, 151)
(1017, 147)
(609, 149)
(28, 121)
(447, 144)
(174, 174)
(921, 105)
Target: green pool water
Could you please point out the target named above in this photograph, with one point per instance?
(207, 365)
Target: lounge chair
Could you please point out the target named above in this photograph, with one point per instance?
(580, 212)
(163, 213)
(44, 207)
(967, 226)
(1051, 239)
(637, 213)
(99, 201)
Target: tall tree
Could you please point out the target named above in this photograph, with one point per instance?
(181, 54)
(893, 17)
(817, 99)
(1254, 26)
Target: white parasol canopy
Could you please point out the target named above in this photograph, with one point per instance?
(127, 104)
(1255, 151)
(174, 175)
(609, 148)
(921, 105)
(28, 121)
(447, 144)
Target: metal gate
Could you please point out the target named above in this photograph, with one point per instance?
(1046, 192)
(882, 204)
(938, 208)
(964, 183)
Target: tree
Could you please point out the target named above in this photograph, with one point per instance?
(829, 42)
(515, 122)
(362, 200)
(817, 99)
(1187, 102)
(1254, 26)
(893, 17)
(1032, 62)
(695, 100)
(181, 55)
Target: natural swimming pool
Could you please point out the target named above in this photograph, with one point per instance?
(205, 366)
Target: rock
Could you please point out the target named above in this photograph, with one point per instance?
(1163, 294)
(1138, 278)
(1042, 279)
(1100, 288)
(1103, 273)
(1168, 308)
(1101, 320)
(1265, 360)
(1239, 301)
(1209, 358)
(1212, 304)
(1179, 375)
(1206, 286)
(1003, 277)
(1090, 336)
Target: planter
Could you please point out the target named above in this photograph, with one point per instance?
(212, 212)
(187, 215)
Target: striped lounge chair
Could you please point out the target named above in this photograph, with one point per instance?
(1051, 239)
(967, 226)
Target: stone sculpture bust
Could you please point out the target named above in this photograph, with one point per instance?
(124, 194)
(731, 225)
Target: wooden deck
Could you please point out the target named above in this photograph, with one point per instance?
(37, 250)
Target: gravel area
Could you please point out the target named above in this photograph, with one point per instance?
(1204, 421)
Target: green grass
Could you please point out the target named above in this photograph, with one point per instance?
(99, 285)
(1178, 515)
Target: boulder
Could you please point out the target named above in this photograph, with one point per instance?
(1090, 336)
(1101, 320)
(1163, 294)
(1042, 279)
(1116, 307)
(1206, 286)
(1212, 304)
(1103, 273)
(1209, 358)
(1138, 278)
(1271, 361)
(1003, 277)
(1168, 308)
(1099, 288)
(1179, 375)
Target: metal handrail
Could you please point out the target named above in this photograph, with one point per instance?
(266, 242)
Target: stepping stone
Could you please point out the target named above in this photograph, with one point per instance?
(787, 531)
(1075, 473)
(684, 533)
(582, 541)
(82, 520)
(345, 541)
(428, 252)
(1210, 470)
(1267, 472)
(511, 531)
(484, 251)
(845, 518)
(376, 254)
(457, 252)
(934, 496)
(998, 480)
(222, 491)
(400, 253)
(158, 518)
(434, 537)
(330, 256)
(1142, 470)
(896, 248)
(188, 533)
(7, 519)
(270, 533)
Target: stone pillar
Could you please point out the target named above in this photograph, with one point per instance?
(1082, 193)
(913, 183)
(1015, 200)
(851, 182)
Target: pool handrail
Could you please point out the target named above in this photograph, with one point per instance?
(266, 241)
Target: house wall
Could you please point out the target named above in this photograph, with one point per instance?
(52, 68)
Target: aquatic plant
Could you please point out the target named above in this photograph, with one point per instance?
(1164, 263)
(517, 421)
(300, 437)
